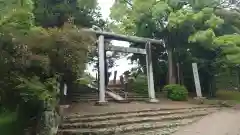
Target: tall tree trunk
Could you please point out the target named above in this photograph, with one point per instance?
(181, 74)
(171, 73)
(178, 73)
(238, 79)
(115, 77)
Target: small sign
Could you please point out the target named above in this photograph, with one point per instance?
(196, 80)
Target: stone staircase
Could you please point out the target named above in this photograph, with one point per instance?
(142, 122)
(85, 97)
(92, 96)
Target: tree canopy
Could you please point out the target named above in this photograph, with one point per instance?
(202, 31)
(42, 44)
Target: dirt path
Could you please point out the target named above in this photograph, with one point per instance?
(225, 122)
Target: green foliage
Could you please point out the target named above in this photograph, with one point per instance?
(203, 37)
(8, 6)
(230, 44)
(214, 22)
(31, 57)
(179, 19)
(34, 90)
(18, 19)
(180, 24)
(85, 79)
(227, 79)
(66, 48)
(189, 29)
(176, 92)
(52, 13)
(140, 85)
(199, 4)
(201, 24)
(8, 123)
(146, 19)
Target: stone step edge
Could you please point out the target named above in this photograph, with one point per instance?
(111, 100)
(96, 94)
(84, 97)
(112, 131)
(78, 96)
(89, 96)
(136, 111)
(132, 115)
(123, 123)
(160, 131)
(93, 98)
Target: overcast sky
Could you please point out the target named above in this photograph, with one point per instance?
(122, 64)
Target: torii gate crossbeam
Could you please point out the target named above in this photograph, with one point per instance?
(113, 36)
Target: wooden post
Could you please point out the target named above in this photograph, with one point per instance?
(102, 87)
(151, 90)
(196, 80)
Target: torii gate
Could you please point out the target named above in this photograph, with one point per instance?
(147, 51)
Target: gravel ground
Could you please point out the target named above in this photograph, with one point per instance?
(225, 122)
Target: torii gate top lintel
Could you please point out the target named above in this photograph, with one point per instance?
(113, 36)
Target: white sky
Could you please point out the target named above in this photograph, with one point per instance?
(122, 64)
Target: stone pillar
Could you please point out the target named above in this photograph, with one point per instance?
(196, 80)
(151, 90)
(102, 87)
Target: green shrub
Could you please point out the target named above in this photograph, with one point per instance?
(176, 92)
(8, 123)
(140, 85)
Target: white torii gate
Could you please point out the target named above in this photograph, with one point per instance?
(147, 51)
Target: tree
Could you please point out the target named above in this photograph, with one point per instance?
(52, 13)
(32, 58)
(155, 19)
(188, 29)
(139, 22)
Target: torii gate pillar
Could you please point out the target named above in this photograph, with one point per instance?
(151, 90)
(102, 87)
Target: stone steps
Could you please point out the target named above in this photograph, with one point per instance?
(107, 99)
(152, 113)
(96, 95)
(159, 131)
(127, 129)
(134, 120)
(137, 111)
(93, 97)
(131, 123)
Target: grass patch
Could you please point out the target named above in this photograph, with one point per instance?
(228, 95)
(8, 123)
(224, 98)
